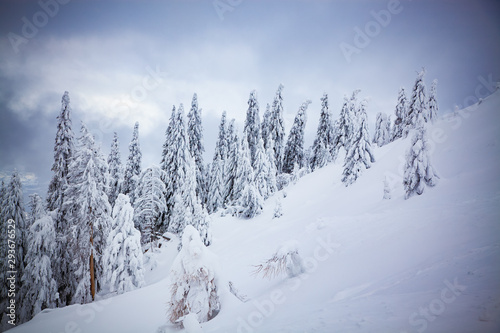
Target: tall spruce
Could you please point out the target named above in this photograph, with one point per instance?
(323, 147)
(252, 125)
(433, 105)
(294, 150)
(360, 155)
(231, 164)
(266, 124)
(401, 115)
(133, 167)
(262, 171)
(63, 152)
(196, 147)
(345, 126)
(89, 212)
(115, 170)
(382, 130)
(277, 128)
(418, 105)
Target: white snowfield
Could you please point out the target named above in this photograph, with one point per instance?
(427, 264)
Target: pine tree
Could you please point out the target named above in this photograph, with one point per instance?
(196, 148)
(294, 150)
(401, 115)
(418, 105)
(89, 212)
(123, 257)
(277, 129)
(433, 105)
(262, 171)
(266, 125)
(39, 288)
(63, 152)
(215, 198)
(249, 201)
(193, 279)
(382, 130)
(150, 204)
(418, 168)
(360, 153)
(346, 125)
(323, 148)
(115, 170)
(271, 178)
(133, 167)
(252, 126)
(231, 163)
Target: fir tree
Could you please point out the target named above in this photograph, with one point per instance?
(231, 163)
(418, 105)
(266, 125)
(150, 204)
(39, 288)
(323, 147)
(115, 170)
(262, 171)
(249, 201)
(63, 152)
(401, 114)
(294, 150)
(271, 178)
(277, 129)
(89, 212)
(346, 125)
(382, 130)
(196, 148)
(123, 257)
(133, 167)
(418, 168)
(433, 105)
(360, 153)
(215, 198)
(252, 125)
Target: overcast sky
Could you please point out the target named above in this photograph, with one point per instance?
(127, 61)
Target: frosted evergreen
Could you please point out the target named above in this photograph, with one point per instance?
(401, 115)
(249, 202)
(382, 130)
(115, 170)
(196, 147)
(323, 150)
(433, 105)
(133, 167)
(277, 128)
(418, 105)
(252, 126)
(294, 149)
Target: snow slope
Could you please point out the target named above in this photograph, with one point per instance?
(427, 264)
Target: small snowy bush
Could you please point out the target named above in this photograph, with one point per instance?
(285, 260)
(194, 280)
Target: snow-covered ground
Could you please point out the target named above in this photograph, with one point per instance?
(427, 264)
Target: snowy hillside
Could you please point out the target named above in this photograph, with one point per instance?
(429, 263)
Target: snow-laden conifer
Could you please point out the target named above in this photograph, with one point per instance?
(194, 281)
(360, 155)
(277, 128)
(39, 288)
(294, 150)
(401, 115)
(231, 163)
(252, 126)
(196, 147)
(418, 107)
(262, 171)
(346, 125)
(88, 210)
(266, 125)
(150, 204)
(433, 105)
(115, 170)
(123, 257)
(323, 147)
(216, 189)
(418, 168)
(382, 130)
(133, 167)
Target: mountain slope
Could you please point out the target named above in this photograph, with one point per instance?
(429, 263)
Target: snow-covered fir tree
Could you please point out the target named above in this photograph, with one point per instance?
(418, 105)
(150, 204)
(63, 152)
(133, 167)
(271, 178)
(252, 126)
(249, 201)
(345, 126)
(123, 256)
(262, 171)
(360, 155)
(382, 130)
(418, 168)
(277, 128)
(115, 170)
(216, 189)
(194, 280)
(39, 287)
(294, 149)
(323, 147)
(89, 212)
(204, 227)
(231, 163)
(433, 105)
(196, 147)
(265, 126)
(401, 115)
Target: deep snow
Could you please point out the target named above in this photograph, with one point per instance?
(427, 264)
